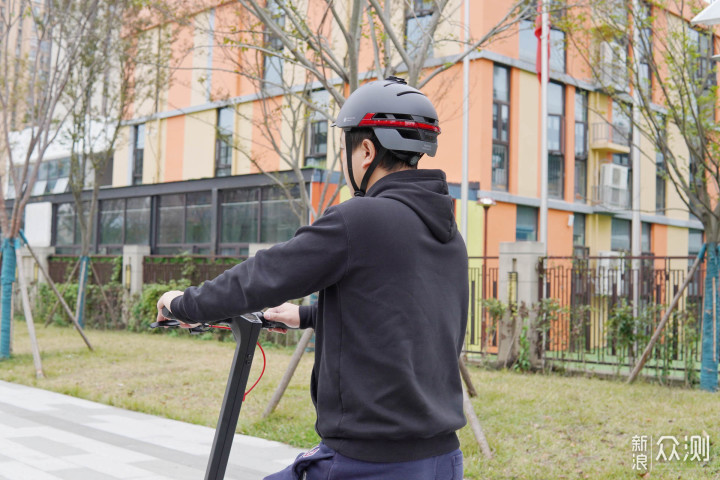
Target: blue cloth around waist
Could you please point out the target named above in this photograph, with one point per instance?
(324, 463)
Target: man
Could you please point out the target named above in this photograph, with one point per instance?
(391, 271)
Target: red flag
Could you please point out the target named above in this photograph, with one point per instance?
(538, 34)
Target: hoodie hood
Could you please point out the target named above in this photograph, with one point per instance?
(426, 193)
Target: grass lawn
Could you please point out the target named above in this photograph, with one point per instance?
(538, 426)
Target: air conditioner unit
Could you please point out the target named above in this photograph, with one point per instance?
(614, 176)
(609, 275)
(614, 185)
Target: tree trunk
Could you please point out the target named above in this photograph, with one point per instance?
(709, 359)
(7, 278)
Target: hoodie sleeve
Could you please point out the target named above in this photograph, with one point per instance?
(316, 257)
(308, 316)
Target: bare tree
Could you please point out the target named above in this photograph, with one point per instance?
(101, 89)
(290, 51)
(657, 69)
(40, 45)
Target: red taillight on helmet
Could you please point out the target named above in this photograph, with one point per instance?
(369, 121)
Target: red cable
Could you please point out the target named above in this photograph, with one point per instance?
(264, 362)
(261, 373)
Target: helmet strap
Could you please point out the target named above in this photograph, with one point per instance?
(348, 160)
(380, 152)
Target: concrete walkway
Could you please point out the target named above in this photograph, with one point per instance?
(49, 436)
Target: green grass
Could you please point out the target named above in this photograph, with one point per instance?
(538, 426)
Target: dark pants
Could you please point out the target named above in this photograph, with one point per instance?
(323, 463)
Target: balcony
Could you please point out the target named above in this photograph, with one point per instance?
(609, 138)
(608, 199)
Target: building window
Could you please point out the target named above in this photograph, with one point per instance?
(645, 242)
(620, 235)
(184, 223)
(257, 215)
(500, 127)
(273, 62)
(526, 224)
(317, 144)
(555, 126)
(112, 224)
(239, 220)
(695, 242)
(138, 154)
(579, 229)
(224, 142)
(579, 248)
(279, 217)
(317, 132)
(417, 26)
(702, 45)
(645, 50)
(124, 222)
(528, 40)
(53, 176)
(68, 237)
(65, 228)
(581, 145)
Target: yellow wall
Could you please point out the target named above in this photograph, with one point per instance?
(154, 154)
(199, 145)
(243, 139)
(528, 143)
(677, 241)
(200, 54)
(675, 207)
(121, 159)
(598, 229)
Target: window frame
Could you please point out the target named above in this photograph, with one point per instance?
(223, 147)
(558, 155)
(417, 14)
(497, 125)
(138, 154)
(581, 157)
(313, 157)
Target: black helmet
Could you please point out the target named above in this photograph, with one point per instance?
(402, 118)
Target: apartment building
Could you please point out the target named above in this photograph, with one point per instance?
(187, 172)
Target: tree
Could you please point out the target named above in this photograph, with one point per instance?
(100, 91)
(40, 45)
(657, 69)
(290, 51)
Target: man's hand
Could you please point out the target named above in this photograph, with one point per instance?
(165, 301)
(287, 313)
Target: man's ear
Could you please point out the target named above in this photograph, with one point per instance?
(368, 151)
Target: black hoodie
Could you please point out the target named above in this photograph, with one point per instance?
(390, 320)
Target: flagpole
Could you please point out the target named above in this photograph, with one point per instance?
(543, 129)
(466, 130)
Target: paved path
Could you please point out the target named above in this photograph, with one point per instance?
(49, 436)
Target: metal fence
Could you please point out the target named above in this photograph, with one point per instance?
(600, 323)
(482, 329)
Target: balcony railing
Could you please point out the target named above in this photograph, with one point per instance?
(603, 133)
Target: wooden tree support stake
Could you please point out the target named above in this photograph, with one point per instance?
(656, 336)
(57, 302)
(475, 425)
(285, 381)
(62, 300)
(28, 317)
(466, 377)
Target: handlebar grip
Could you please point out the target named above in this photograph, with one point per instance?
(168, 314)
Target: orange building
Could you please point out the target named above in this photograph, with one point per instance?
(190, 152)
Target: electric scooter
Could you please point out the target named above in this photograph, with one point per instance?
(245, 329)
